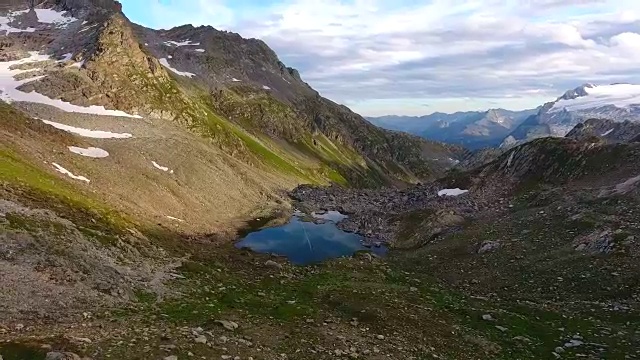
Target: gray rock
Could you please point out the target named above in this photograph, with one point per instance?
(273, 264)
(229, 325)
(573, 343)
(54, 355)
(487, 317)
(597, 242)
(489, 246)
(200, 339)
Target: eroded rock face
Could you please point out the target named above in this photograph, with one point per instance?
(76, 5)
(597, 242)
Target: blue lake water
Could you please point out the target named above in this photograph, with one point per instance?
(305, 242)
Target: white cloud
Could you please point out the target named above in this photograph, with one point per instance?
(360, 51)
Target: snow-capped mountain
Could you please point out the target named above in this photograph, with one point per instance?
(471, 129)
(616, 102)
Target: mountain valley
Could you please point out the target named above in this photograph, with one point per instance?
(132, 160)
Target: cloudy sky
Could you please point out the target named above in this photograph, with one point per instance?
(415, 57)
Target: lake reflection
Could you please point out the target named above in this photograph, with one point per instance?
(305, 242)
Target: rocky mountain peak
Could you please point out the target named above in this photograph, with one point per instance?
(495, 116)
(577, 92)
(615, 102)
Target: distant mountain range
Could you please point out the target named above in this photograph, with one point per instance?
(498, 127)
(615, 102)
(472, 129)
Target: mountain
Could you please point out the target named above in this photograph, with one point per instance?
(471, 129)
(229, 121)
(606, 130)
(616, 102)
(132, 160)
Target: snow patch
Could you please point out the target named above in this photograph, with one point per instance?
(181, 43)
(69, 173)
(266, 87)
(200, 50)
(50, 16)
(66, 57)
(174, 218)
(160, 167)
(235, 80)
(169, 57)
(452, 192)
(91, 152)
(88, 28)
(9, 90)
(165, 63)
(618, 95)
(607, 132)
(78, 64)
(95, 134)
(4, 24)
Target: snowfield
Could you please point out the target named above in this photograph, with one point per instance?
(91, 152)
(96, 134)
(618, 95)
(6, 29)
(9, 90)
(50, 16)
(165, 63)
(45, 16)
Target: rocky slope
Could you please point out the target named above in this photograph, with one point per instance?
(194, 76)
(607, 130)
(471, 129)
(549, 226)
(214, 123)
(511, 269)
(616, 102)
